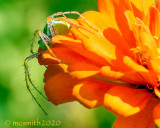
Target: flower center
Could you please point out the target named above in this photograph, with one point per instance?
(139, 58)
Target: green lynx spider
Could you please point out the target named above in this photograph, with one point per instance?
(53, 27)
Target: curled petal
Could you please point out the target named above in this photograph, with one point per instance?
(91, 92)
(111, 74)
(143, 119)
(59, 87)
(126, 101)
(46, 58)
(133, 65)
(53, 70)
(83, 70)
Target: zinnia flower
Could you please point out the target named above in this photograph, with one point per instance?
(116, 62)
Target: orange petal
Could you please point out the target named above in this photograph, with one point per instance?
(106, 26)
(114, 10)
(131, 19)
(139, 70)
(111, 7)
(130, 77)
(143, 119)
(126, 101)
(158, 5)
(91, 92)
(111, 74)
(96, 44)
(114, 37)
(155, 67)
(62, 53)
(67, 40)
(58, 88)
(97, 20)
(152, 20)
(145, 41)
(141, 7)
(157, 91)
(156, 115)
(53, 70)
(83, 70)
(133, 65)
(77, 47)
(147, 4)
(103, 48)
(46, 59)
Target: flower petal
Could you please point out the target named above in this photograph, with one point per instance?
(143, 119)
(98, 20)
(96, 44)
(155, 67)
(130, 76)
(114, 11)
(147, 4)
(152, 20)
(58, 88)
(62, 53)
(141, 7)
(158, 5)
(146, 43)
(133, 65)
(106, 71)
(106, 26)
(113, 8)
(156, 115)
(126, 101)
(130, 18)
(91, 92)
(77, 47)
(83, 70)
(53, 70)
(141, 71)
(103, 48)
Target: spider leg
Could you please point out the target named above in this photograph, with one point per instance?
(49, 49)
(28, 78)
(73, 12)
(33, 40)
(50, 26)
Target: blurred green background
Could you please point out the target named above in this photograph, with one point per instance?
(18, 21)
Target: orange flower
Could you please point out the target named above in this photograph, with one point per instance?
(117, 64)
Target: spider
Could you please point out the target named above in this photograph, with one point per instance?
(54, 26)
